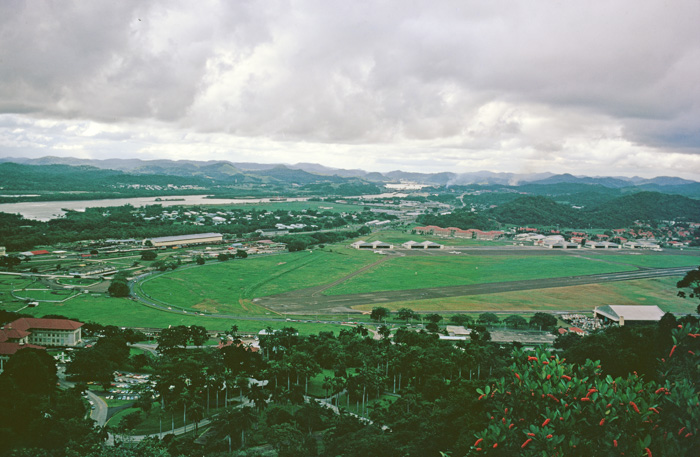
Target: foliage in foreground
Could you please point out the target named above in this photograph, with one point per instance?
(549, 407)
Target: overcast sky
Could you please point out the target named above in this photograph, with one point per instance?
(594, 88)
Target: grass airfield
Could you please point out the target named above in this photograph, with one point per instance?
(230, 288)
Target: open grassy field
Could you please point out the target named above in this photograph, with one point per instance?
(439, 271)
(653, 261)
(45, 294)
(85, 282)
(124, 312)
(660, 292)
(227, 287)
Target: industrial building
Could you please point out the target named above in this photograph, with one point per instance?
(628, 314)
(422, 245)
(180, 240)
(373, 245)
(602, 245)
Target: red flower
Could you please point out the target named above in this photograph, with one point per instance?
(648, 451)
(602, 421)
(526, 443)
(547, 421)
(478, 441)
(634, 406)
(672, 349)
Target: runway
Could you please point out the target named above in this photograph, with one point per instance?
(308, 301)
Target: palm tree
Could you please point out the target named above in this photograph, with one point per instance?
(259, 396)
(327, 383)
(233, 421)
(196, 414)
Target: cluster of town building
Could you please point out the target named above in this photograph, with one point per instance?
(670, 234)
(459, 233)
(629, 238)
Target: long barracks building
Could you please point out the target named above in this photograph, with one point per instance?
(197, 238)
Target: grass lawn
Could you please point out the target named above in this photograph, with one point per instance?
(112, 403)
(79, 281)
(373, 402)
(12, 282)
(660, 292)
(227, 287)
(154, 420)
(316, 383)
(654, 261)
(45, 294)
(128, 313)
(439, 271)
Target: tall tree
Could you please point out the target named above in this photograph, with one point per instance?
(379, 313)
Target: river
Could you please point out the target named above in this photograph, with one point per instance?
(44, 211)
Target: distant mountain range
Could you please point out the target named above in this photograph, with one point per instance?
(310, 172)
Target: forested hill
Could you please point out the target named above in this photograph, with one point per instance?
(537, 211)
(66, 182)
(85, 178)
(622, 211)
(461, 218)
(647, 206)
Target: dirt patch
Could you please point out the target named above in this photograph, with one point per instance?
(281, 263)
(208, 305)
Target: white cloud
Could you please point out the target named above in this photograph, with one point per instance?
(602, 88)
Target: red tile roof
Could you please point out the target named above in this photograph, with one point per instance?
(28, 323)
(40, 252)
(12, 334)
(11, 348)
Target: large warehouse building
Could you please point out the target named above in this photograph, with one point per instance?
(197, 238)
(628, 314)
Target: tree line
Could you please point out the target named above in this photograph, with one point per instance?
(423, 396)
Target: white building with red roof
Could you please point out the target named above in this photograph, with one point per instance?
(42, 332)
(29, 332)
